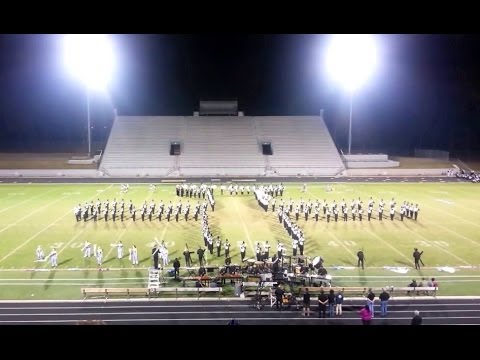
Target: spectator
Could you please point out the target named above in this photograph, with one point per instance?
(338, 303)
(233, 322)
(331, 303)
(279, 296)
(306, 303)
(322, 303)
(371, 301)
(417, 319)
(366, 315)
(413, 284)
(176, 268)
(384, 296)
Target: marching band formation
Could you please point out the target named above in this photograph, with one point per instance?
(267, 197)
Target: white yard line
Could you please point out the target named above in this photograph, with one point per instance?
(30, 214)
(457, 234)
(244, 226)
(439, 247)
(123, 233)
(342, 245)
(26, 200)
(69, 212)
(451, 215)
(65, 246)
(389, 245)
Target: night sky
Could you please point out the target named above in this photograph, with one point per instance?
(426, 92)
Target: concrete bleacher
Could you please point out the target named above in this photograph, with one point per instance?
(217, 145)
(220, 146)
(301, 145)
(369, 161)
(141, 145)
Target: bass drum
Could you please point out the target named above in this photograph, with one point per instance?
(322, 271)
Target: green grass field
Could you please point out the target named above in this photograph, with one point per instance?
(447, 229)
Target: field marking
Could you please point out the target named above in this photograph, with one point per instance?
(243, 224)
(443, 201)
(451, 215)
(65, 246)
(24, 201)
(342, 245)
(30, 214)
(41, 231)
(389, 245)
(439, 247)
(446, 251)
(457, 234)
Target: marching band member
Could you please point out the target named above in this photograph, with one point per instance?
(53, 258)
(40, 254)
(99, 256)
(86, 250)
(119, 250)
(133, 255)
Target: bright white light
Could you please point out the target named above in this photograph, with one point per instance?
(89, 57)
(351, 59)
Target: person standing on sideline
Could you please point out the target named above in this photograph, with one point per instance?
(338, 303)
(366, 315)
(417, 257)
(417, 319)
(176, 268)
(322, 304)
(155, 252)
(384, 297)
(279, 296)
(371, 301)
(361, 259)
(331, 303)
(306, 303)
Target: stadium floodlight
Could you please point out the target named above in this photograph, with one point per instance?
(89, 58)
(351, 60)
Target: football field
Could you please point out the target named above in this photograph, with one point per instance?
(447, 230)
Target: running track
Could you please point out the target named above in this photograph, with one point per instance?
(452, 311)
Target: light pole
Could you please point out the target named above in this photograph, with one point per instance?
(89, 58)
(89, 126)
(350, 127)
(350, 61)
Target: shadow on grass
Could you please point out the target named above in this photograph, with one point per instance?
(100, 279)
(50, 279)
(361, 277)
(64, 261)
(33, 273)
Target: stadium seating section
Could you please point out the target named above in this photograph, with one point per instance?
(220, 146)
